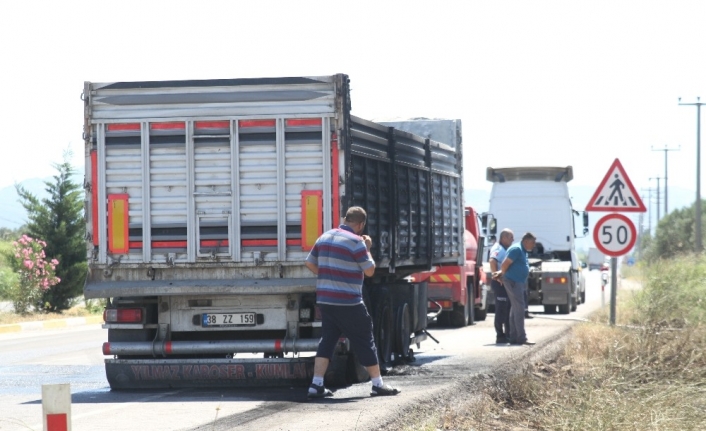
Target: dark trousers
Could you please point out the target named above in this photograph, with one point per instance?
(352, 321)
(502, 310)
(515, 291)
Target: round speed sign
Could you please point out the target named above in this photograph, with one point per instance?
(614, 235)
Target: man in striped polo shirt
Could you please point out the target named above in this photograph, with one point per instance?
(340, 259)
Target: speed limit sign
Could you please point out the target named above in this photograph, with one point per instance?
(614, 235)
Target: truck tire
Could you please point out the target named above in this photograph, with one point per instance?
(574, 303)
(478, 314)
(583, 297)
(336, 373)
(444, 319)
(459, 315)
(355, 372)
(383, 328)
(403, 332)
(565, 308)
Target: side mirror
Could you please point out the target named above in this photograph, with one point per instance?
(583, 264)
(493, 228)
(585, 221)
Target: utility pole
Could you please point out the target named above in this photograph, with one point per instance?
(698, 103)
(640, 232)
(657, 178)
(665, 149)
(649, 209)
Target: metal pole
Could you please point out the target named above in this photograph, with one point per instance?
(666, 192)
(649, 210)
(613, 288)
(658, 200)
(697, 231)
(699, 246)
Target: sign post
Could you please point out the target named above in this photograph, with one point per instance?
(615, 234)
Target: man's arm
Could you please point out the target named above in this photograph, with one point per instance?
(312, 267)
(503, 268)
(505, 265)
(493, 264)
(369, 243)
(370, 271)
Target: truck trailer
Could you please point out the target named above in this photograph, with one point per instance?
(457, 294)
(596, 259)
(203, 200)
(536, 199)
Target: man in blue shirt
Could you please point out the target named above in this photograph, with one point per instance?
(514, 272)
(340, 258)
(502, 303)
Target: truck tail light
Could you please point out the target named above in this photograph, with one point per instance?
(556, 280)
(123, 315)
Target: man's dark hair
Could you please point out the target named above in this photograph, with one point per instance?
(529, 235)
(356, 215)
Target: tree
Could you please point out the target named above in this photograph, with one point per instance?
(675, 234)
(59, 221)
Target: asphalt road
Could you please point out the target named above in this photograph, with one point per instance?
(31, 359)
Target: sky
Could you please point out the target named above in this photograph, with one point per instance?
(536, 83)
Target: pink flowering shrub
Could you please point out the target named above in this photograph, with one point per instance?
(35, 274)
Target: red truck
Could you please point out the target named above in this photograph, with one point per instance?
(459, 292)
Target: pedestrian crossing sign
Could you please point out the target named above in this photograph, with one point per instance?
(616, 193)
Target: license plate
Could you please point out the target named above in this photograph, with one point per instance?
(228, 319)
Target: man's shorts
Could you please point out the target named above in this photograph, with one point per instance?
(352, 321)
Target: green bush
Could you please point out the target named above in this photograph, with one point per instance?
(8, 283)
(674, 293)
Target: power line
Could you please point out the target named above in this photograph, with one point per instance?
(12, 221)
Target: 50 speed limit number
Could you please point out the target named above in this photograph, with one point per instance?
(614, 235)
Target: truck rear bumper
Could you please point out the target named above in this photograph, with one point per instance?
(193, 373)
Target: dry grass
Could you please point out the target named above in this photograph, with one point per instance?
(77, 311)
(646, 373)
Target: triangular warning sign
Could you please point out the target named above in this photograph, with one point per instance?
(616, 193)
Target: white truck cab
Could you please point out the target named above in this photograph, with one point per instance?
(536, 200)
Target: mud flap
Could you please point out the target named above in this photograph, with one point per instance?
(195, 373)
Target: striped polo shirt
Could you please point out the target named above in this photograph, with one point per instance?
(341, 257)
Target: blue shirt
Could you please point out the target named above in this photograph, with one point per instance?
(498, 252)
(341, 257)
(519, 268)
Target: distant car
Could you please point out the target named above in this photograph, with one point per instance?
(605, 266)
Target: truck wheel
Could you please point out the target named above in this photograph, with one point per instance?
(383, 328)
(574, 303)
(478, 314)
(444, 319)
(549, 309)
(459, 315)
(404, 331)
(356, 373)
(471, 311)
(583, 297)
(564, 308)
(336, 372)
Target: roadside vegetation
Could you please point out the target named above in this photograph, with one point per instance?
(648, 372)
(43, 263)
